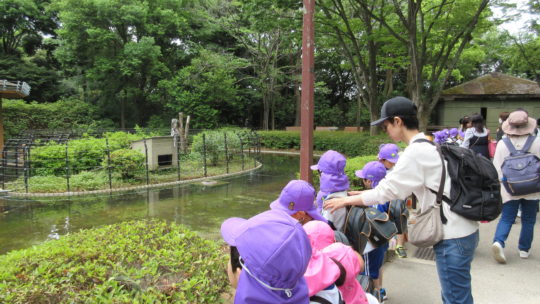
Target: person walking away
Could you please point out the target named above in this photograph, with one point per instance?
(476, 138)
(518, 128)
(388, 156)
(418, 170)
(503, 116)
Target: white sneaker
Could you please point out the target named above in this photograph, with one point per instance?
(523, 254)
(498, 252)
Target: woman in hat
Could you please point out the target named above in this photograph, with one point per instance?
(270, 253)
(476, 138)
(518, 127)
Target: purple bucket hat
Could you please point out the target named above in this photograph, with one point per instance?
(331, 162)
(298, 195)
(389, 152)
(275, 252)
(453, 132)
(374, 171)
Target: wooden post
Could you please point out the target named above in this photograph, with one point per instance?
(1, 125)
(308, 46)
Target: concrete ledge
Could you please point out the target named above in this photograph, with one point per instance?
(131, 188)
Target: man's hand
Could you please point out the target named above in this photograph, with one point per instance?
(351, 193)
(335, 204)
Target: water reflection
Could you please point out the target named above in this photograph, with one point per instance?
(200, 207)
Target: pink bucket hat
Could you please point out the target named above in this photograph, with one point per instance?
(352, 290)
(519, 123)
(321, 271)
(321, 234)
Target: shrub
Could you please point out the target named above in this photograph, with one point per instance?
(215, 143)
(84, 154)
(132, 262)
(126, 162)
(350, 144)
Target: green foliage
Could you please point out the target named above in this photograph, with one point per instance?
(206, 89)
(350, 144)
(127, 162)
(132, 262)
(83, 154)
(63, 114)
(214, 143)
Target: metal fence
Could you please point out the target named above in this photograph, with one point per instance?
(77, 169)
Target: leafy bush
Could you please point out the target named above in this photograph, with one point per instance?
(84, 154)
(63, 114)
(215, 144)
(132, 262)
(127, 162)
(350, 144)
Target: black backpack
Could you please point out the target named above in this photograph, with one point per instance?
(475, 188)
(399, 214)
(363, 224)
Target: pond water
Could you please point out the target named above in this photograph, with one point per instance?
(199, 207)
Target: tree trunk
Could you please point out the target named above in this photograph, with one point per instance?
(123, 111)
(423, 117)
(266, 112)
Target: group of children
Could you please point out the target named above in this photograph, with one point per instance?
(289, 254)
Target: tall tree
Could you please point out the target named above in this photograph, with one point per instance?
(435, 33)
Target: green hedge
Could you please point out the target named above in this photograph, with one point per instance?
(132, 262)
(63, 114)
(350, 144)
(84, 154)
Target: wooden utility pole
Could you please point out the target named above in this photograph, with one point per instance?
(308, 81)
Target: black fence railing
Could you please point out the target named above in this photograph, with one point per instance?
(85, 163)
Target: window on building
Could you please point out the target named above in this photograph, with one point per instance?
(164, 160)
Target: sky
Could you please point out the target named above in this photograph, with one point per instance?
(519, 22)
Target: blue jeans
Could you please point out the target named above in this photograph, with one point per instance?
(528, 219)
(453, 258)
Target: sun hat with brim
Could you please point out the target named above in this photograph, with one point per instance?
(352, 290)
(331, 162)
(519, 123)
(274, 253)
(390, 152)
(320, 234)
(298, 195)
(397, 106)
(374, 171)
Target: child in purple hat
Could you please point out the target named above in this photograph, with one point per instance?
(298, 200)
(388, 155)
(333, 183)
(372, 173)
(272, 255)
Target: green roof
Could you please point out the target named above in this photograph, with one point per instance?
(495, 84)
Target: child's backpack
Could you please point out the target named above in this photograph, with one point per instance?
(399, 214)
(475, 187)
(363, 224)
(521, 169)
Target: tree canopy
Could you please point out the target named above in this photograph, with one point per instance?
(238, 62)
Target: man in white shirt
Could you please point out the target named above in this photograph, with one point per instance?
(417, 171)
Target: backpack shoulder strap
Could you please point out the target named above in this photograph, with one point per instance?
(318, 299)
(440, 192)
(528, 144)
(342, 273)
(510, 146)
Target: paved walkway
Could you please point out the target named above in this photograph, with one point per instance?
(415, 281)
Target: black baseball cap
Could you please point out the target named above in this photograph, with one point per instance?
(397, 106)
